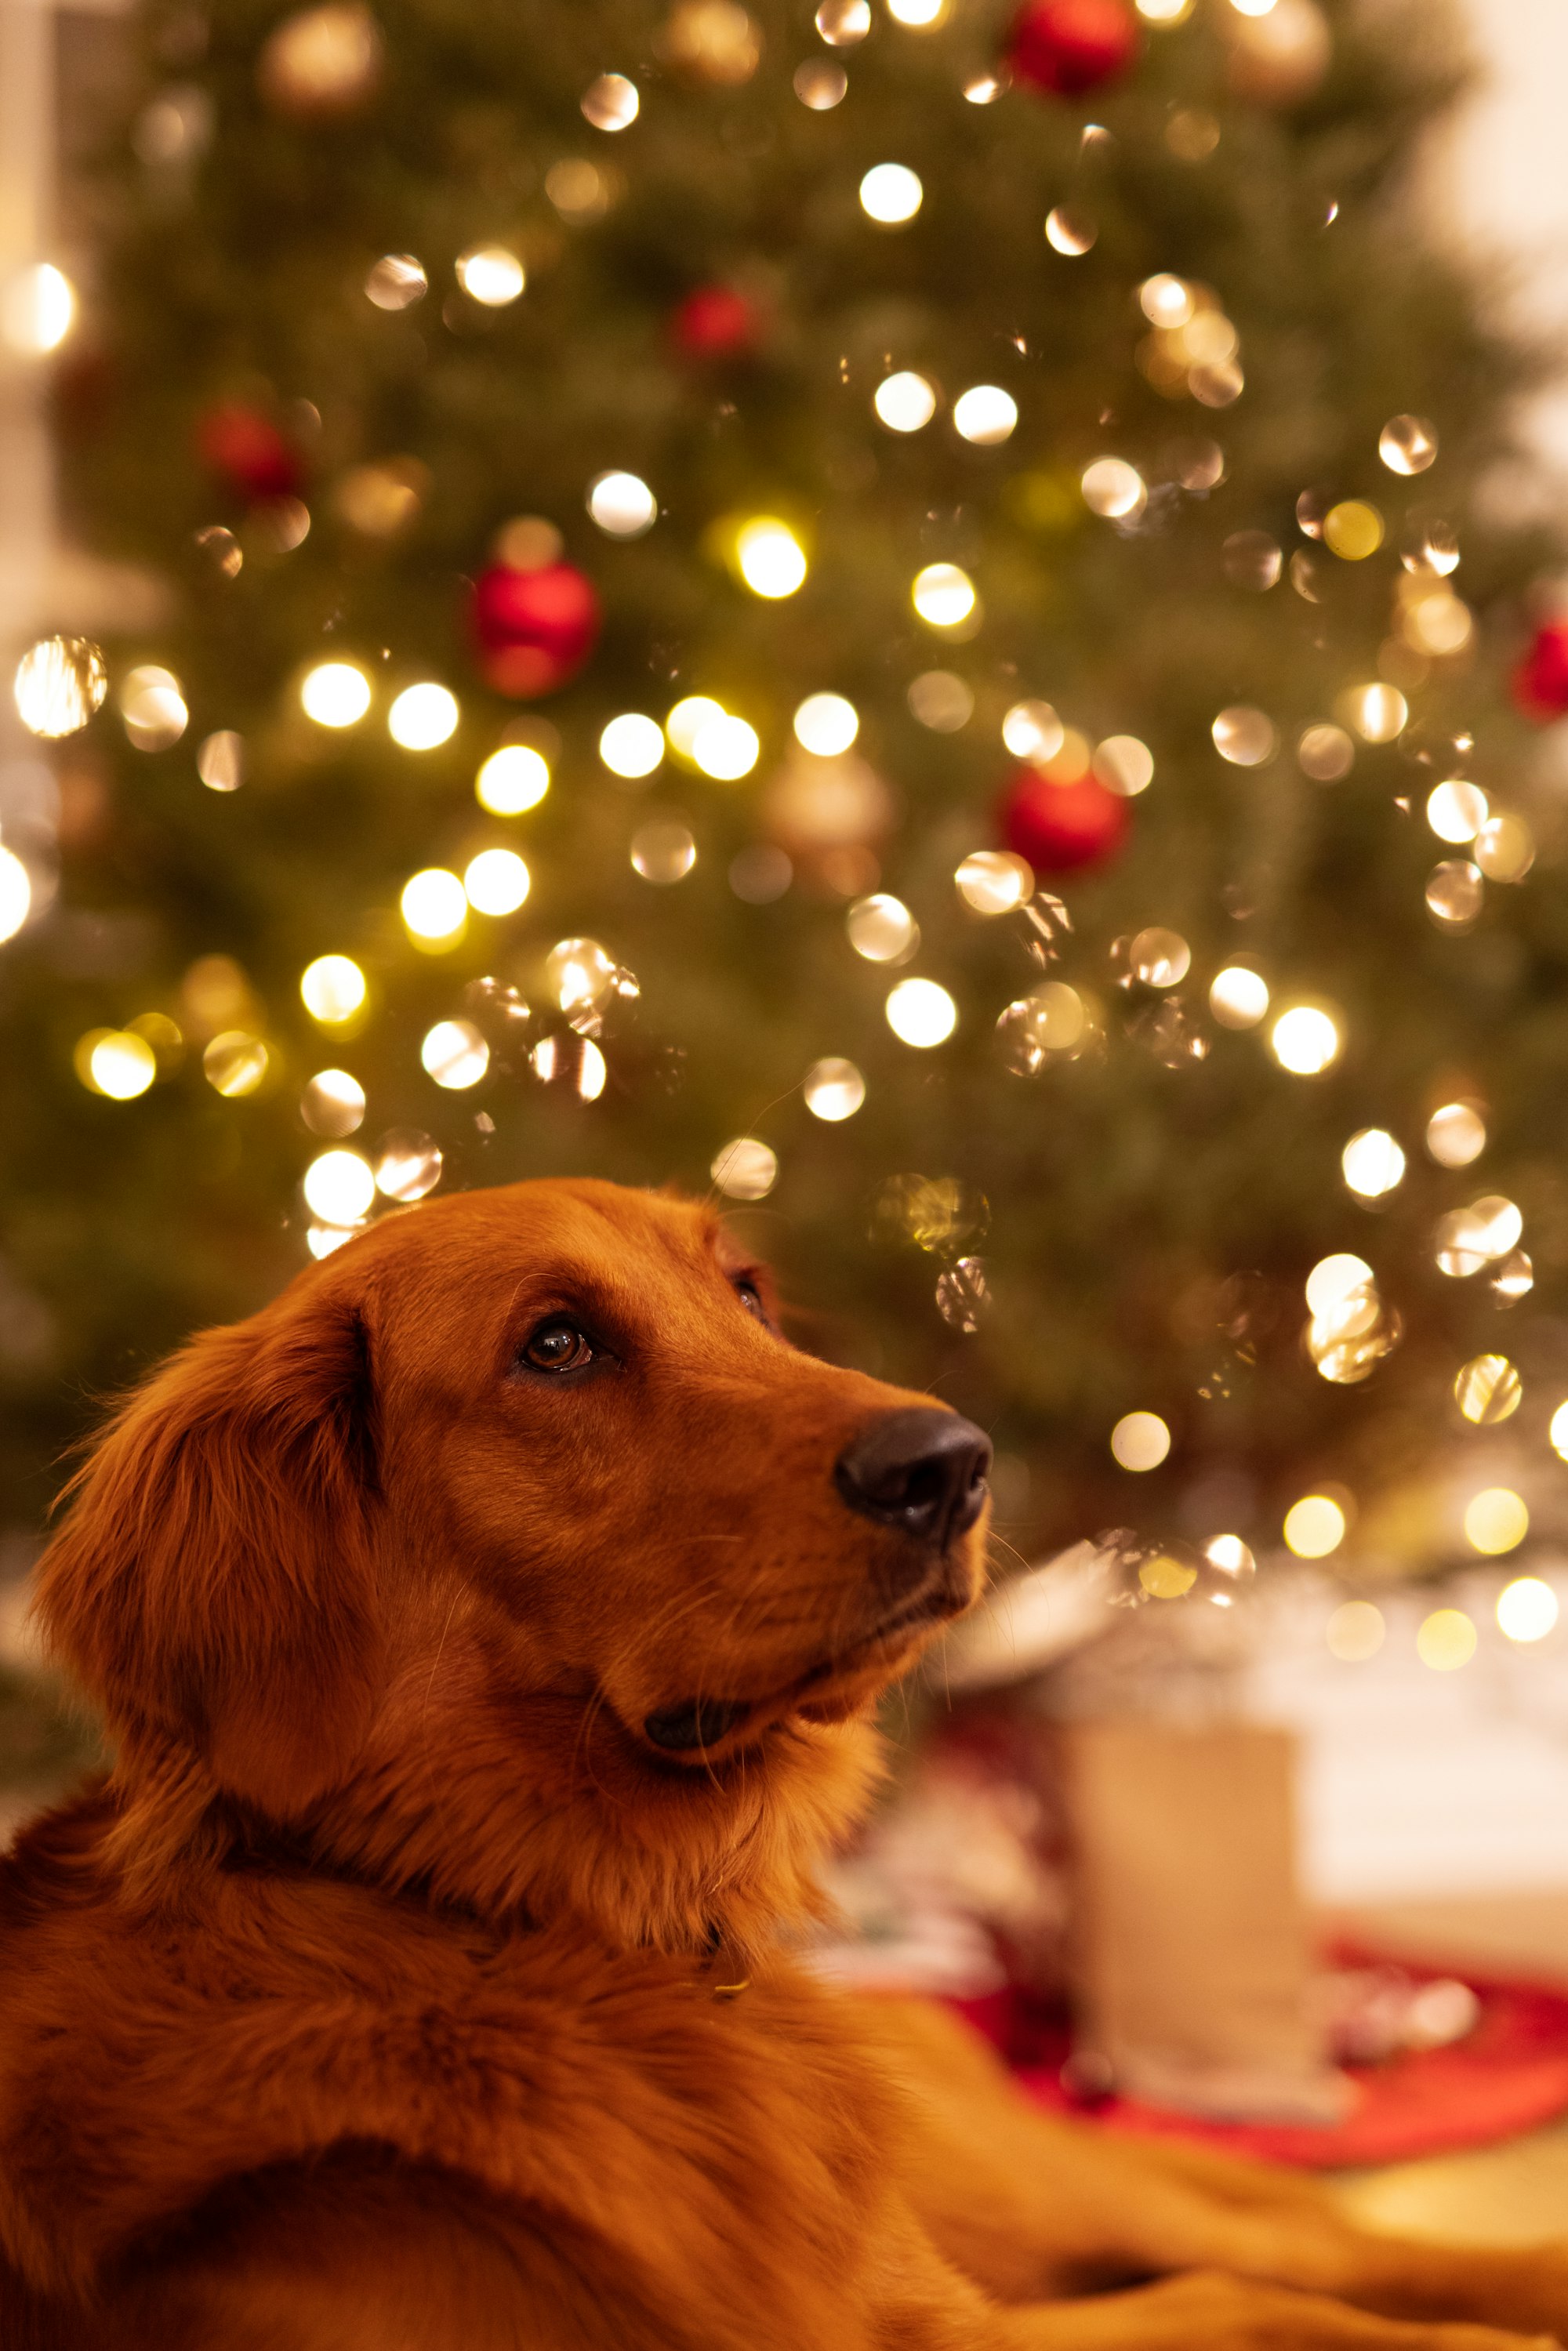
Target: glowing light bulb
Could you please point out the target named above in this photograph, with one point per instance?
(434, 907)
(1314, 1526)
(835, 1089)
(496, 881)
(826, 724)
(1140, 1441)
(422, 717)
(631, 746)
(339, 1188)
(37, 310)
(904, 402)
(333, 989)
(623, 505)
(944, 595)
(921, 1013)
(725, 749)
(1373, 1164)
(890, 194)
(512, 780)
(335, 694)
(1305, 1040)
(454, 1054)
(771, 561)
(491, 274)
(985, 414)
(16, 894)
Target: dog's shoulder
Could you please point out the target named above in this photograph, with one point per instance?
(272, 2017)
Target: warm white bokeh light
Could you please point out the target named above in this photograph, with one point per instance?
(631, 746)
(904, 402)
(339, 1188)
(422, 717)
(1305, 1040)
(491, 274)
(826, 724)
(335, 694)
(921, 1013)
(623, 505)
(772, 561)
(1140, 1441)
(454, 1054)
(512, 780)
(435, 906)
(333, 989)
(890, 194)
(495, 882)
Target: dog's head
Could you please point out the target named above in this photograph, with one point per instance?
(513, 1551)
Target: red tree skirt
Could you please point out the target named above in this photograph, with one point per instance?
(1509, 2075)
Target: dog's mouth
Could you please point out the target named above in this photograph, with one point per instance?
(707, 1730)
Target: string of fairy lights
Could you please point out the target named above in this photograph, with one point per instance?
(1188, 348)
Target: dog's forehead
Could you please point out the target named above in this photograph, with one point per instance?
(539, 1233)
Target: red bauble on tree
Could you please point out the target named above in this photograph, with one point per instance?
(715, 322)
(534, 629)
(247, 449)
(1063, 827)
(1541, 679)
(1069, 46)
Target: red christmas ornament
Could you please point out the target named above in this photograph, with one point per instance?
(1063, 827)
(248, 451)
(1541, 679)
(1069, 46)
(715, 322)
(534, 629)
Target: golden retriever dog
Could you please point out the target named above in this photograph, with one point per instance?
(489, 1630)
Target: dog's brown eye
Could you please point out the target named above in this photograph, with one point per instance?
(750, 1297)
(558, 1347)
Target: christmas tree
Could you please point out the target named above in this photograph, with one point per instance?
(894, 611)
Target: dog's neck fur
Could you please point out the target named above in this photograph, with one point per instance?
(538, 1810)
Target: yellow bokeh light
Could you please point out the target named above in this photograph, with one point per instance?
(920, 1012)
(1446, 1641)
(496, 881)
(944, 596)
(37, 310)
(890, 194)
(826, 724)
(454, 1054)
(835, 1089)
(770, 558)
(725, 749)
(235, 1063)
(1353, 530)
(333, 989)
(1314, 1526)
(335, 694)
(631, 746)
(115, 1062)
(1305, 1040)
(339, 1188)
(59, 683)
(1373, 1164)
(16, 894)
(491, 274)
(1527, 1609)
(1488, 1390)
(1559, 1432)
(686, 721)
(1140, 1441)
(985, 414)
(881, 928)
(1238, 997)
(422, 717)
(434, 907)
(512, 780)
(904, 402)
(1355, 1632)
(1496, 1521)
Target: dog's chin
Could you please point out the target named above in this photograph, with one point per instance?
(704, 1733)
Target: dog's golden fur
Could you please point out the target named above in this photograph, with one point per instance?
(402, 1992)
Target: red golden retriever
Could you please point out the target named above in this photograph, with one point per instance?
(489, 1629)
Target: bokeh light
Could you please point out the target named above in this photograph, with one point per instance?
(1488, 1390)
(434, 907)
(513, 779)
(334, 1104)
(944, 595)
(1238, 996)
(495, 882)
(339, 1188)
(333, 989)
(235, 1063)
(623, 505)
(835, 1089)
(1445, 1640)
(1355, 1632)
(1306, 1039)
(1140, 1441)
(771, 559)
(422, 717)
(826, 724)
(491, 274)
(985, 414)
(1314, 1526)
(1527, 1609)
(1496, 1521)
(1456, 1135)
(1373, 1164)
(744, 1169)
(59, 683)
(15, 894)
(881, 928)
(890, 194)
(994, 882)
(454, 1054)
(115, 1062)
(726, 747)
(335, 694)
(904, 402)
(921, 1013)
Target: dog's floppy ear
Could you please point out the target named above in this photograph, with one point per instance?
(213, 1588)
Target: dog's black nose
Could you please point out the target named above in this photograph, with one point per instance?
(921, 1472)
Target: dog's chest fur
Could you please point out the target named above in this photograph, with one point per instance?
(738, 2142)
